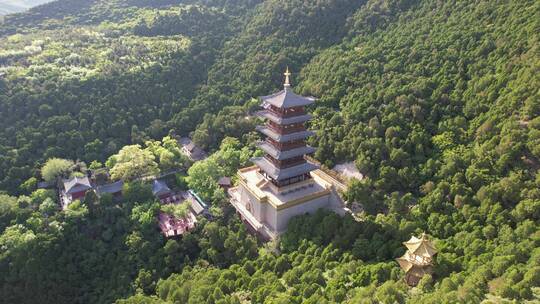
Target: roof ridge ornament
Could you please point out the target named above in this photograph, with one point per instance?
(287, 80)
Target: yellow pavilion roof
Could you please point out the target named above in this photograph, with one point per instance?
(421, 246)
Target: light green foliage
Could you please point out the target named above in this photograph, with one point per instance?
(41, 195)
(132, 162)
(76, 210)
(15, 238)
(94, 165)
(48, 207)
(167, 153)
(29, 185)
(84, 52)
(157, 156)
(8, 210)
(56, 167)
(177, 210)
(203, 175)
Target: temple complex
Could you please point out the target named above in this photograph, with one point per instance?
(418, 260)
(283, 184)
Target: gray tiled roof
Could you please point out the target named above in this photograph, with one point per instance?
(285, 137)
(281, 174)
(281, 155)
(110, 188)
(196, 206)
(160, 187)
(287, 99)
(77, 184)
(284, 121)
(225, 180)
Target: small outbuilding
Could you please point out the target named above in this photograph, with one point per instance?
(225, 182)
(160, 189)
(191, 150)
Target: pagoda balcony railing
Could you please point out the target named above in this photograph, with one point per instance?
(290, 112)
(286, 163)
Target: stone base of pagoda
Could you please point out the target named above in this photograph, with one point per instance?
(268, 209)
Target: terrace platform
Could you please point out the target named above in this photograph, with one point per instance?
(268, 209)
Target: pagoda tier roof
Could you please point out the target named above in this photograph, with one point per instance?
(284, 137)
(421, 246)
(281, 155)
(284, 120)
(281, 174)
(287, 99)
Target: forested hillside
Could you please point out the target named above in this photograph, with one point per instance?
(436, 102)
(117, 75)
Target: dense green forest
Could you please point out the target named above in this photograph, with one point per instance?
(436, 102)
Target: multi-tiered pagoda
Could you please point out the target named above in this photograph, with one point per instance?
(285, 147)
(283, 184)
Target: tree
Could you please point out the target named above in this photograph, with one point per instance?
(29, 185)
(132, 162)
(177, 210)
(55, 168)
(391, 292)
(48, 207)
(168, 154)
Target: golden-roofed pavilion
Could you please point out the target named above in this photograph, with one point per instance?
(418, 259)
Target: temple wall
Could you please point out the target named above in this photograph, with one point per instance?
(283, 216)
(271, 217)
(256, 207)
(335, 200)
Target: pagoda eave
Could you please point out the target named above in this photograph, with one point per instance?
(284, 137)
(287, 154)
(283, 173)
(287, 99)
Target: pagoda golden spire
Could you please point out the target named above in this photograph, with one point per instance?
(287, 75)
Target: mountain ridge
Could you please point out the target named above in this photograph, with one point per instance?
(18, 6)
